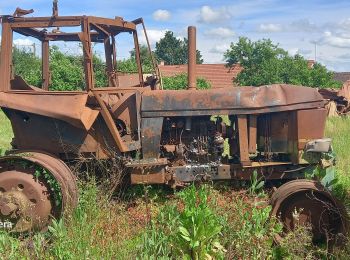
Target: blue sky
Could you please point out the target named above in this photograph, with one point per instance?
(296, 25)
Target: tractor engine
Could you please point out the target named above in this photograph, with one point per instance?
(193, 140)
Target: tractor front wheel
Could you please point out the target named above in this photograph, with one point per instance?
(308, 202)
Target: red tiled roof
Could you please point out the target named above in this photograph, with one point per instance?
(342, 76)
(218, 75)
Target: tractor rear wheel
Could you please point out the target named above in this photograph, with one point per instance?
(34, 187)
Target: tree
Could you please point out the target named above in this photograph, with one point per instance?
(129, 65)
(173, 51)
(181, 82)
(266, 63)
(27, 65)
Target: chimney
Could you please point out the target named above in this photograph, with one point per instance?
(192, 58)
(310, 64)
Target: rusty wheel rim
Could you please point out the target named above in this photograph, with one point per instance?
(309, 208)
(308, 203)
(24, 201)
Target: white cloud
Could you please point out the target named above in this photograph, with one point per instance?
(221, 32)
(161, 15)
(220, 48)
(293, 51)
(210, 15)
(269, 27)
(301, 25)
(153, 36)
(23, 42)
(345, 24)
(340, 41)
(304, 25)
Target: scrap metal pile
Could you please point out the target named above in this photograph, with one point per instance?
(338, 100)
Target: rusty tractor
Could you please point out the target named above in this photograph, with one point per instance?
(168, 137)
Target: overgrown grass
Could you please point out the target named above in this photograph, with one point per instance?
(151, 223)
(338, 128)
(5, 132)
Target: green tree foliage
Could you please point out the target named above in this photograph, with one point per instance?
(27, 65)
(67, 71)
(181, 82)
(130, 66)
(266, 63)
(173, 51)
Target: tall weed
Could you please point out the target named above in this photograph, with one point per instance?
(189, 230)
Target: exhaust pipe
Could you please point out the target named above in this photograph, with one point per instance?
(192, 58)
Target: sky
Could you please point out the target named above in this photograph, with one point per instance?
(312, 28)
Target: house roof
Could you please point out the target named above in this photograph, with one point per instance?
(218, 75)
(342, 76)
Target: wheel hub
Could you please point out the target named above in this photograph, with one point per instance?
(24, 201)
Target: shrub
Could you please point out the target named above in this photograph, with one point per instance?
(180, 82)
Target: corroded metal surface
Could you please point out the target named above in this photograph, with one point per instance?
(34, 199)
(305, 202)
(24, 201)
(192, 58)
(238, 100)
(69, 107)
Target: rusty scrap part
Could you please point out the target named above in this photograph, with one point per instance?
(192, 60)
(21, 12)
(44, 208)
(5, 57)
(46, 75)
(55, 8)
(66, 106)
(24, 201)
(345, 91)
(307, 202)
(239, 100)
(339, 100)
(154, 63)
(110, 123)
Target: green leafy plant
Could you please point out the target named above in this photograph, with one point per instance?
(51, 181)
(200, 229)
(324, 171)
(157, 241)
(256, 184)
(250, 231)
(180, 82)
(190, 230)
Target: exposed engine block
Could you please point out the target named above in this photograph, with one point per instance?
(193, 140)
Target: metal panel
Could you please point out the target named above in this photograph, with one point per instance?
(151, 130)
(239, 100)
(311, 125)
(243, 139)
(252, 133)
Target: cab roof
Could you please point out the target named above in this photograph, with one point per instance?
(37, 27)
